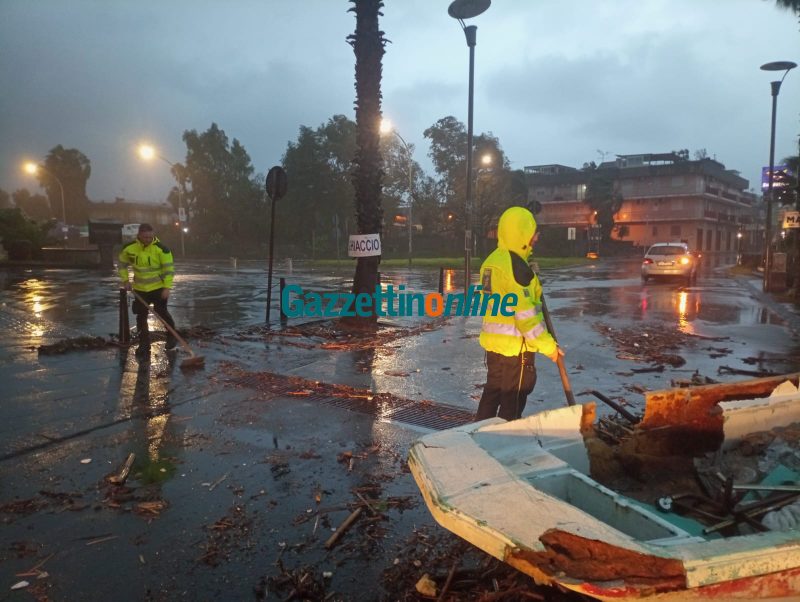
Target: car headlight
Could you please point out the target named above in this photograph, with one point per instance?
(685, 260)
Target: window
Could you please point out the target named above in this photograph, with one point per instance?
(655, 230)
(719, 241)
(675, 231)
(699, 239)
(677, 181)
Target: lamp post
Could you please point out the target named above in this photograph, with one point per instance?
(486, 166)
(148, 153)
(739, 247)
(460, 10)
(784, 66)
(386, 127)
(31, 168)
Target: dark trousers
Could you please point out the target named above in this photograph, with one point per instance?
(160, 306)
(509, 381)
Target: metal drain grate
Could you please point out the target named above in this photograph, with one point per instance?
(436, 417)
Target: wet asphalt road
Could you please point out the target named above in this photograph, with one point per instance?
(279, 455)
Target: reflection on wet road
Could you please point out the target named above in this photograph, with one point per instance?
(446, 364)
(67, 421)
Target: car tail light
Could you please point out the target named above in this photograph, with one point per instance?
(685, 260)
(647, 261)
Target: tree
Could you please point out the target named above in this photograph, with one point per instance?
(496, 188)
(23, 238)
(319, 164)
(368, 46)
(791, 5)
(34, 206)
(5, 199)
(401, 187)
(602, 196)
(225, 203)
(71, 168)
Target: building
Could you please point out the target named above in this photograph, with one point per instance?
(161, 215)
(662, 197)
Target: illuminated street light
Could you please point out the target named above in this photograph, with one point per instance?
(784, 66)
(385, 128)
(32, 168)
(148, 153)
(460, 10)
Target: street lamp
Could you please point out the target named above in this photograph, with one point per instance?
(31, 168)
(386, 127)
(148, 153)
(784, 66)
(460, 10)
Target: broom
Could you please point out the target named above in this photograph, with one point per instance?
(194, 361)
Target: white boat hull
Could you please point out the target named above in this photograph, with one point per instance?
(520, 491)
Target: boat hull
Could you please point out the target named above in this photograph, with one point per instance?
(521, 492)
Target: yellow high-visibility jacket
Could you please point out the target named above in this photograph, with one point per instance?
(506, 271)
(153, 266)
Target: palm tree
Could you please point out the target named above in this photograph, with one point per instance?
(368, 45)
(793, 5)
(70, 168)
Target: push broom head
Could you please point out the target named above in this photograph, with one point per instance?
(191, 363)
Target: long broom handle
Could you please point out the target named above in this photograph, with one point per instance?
(172, 331)
(562, 370)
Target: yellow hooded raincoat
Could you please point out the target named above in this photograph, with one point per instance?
(506, 271)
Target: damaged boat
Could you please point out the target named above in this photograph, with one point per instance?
(698, 500)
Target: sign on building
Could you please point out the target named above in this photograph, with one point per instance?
(781, 177)
(364, 245)
(791, 219)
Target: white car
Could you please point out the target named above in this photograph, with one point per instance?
(669, 259)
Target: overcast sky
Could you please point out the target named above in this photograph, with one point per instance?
(556, 81)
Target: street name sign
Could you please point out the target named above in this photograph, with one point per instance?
(364, 245)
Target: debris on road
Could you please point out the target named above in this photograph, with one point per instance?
(122, 475)
(76, 344)
(337, 335)
(343, 528)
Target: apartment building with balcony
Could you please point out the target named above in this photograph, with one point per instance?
(664, 197)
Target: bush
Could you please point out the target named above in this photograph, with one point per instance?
(19, 250)
(22, 238)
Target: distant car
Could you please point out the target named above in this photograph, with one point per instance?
(670, 259)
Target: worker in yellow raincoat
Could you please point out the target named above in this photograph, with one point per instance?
(511, 341)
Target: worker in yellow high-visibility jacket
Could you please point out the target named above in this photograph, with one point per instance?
(153, 271)
(511, 341)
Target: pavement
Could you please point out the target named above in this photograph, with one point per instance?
(241, 476)
(235, 483)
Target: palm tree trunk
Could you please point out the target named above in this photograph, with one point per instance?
(368, 43)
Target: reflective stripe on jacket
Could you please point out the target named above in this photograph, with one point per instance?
(153, 266)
